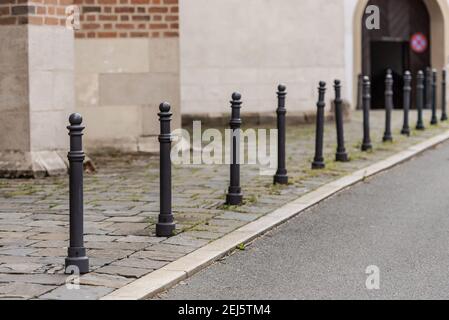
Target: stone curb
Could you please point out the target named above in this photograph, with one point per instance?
(171, 274)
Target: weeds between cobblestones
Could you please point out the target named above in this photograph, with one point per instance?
(122, 205)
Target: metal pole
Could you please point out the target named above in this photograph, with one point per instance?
(420, 99)
(428, 89)
(318, 161)
(407, 100)
(341, 154)
(235, 196)
(443, 96)
(281, 174)
(76, 253)
(388, 106)
(434, 120)
(366, 145)
(360, 92)
(165, 226)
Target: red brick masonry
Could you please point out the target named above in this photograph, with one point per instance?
(128, 18)
(37, 12)
(99, 18)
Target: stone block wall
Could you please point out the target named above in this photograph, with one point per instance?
(127, 63)
(36, 86)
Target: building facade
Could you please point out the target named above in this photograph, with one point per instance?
(127, 56)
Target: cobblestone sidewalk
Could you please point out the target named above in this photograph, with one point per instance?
(121, 208)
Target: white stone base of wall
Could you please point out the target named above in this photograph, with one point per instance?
(17, 164)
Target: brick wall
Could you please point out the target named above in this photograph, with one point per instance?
(99, 18)
(36, 12)
(128, 18)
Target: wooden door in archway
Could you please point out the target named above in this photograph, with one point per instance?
(391, 46)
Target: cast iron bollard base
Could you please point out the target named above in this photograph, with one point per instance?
(318, 161)
(81, 262)
(165, 225)
(234, 196)
(281, 176)
(366, 147)
(317, 165)
(341, 157)
(76, 261)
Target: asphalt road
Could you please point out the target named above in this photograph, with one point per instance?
(397, 221)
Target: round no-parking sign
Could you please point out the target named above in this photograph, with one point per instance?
(419, 42)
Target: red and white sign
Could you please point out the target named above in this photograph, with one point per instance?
(419, 42)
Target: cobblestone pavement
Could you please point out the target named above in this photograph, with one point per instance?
(121, 207)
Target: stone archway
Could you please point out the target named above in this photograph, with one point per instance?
(439, 14)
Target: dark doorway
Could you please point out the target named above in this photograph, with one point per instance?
(389, 46)
(388, 54)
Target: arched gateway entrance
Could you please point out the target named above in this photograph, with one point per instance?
(412, 36)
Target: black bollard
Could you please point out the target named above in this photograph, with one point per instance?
(360, 92)
(388, 106)
(235, 196)
(281, 174)
(420, 99)
(434, 120)
(318, 161)
(366, 145)
(165, 225)
(443, 97)
(76, 253)
(407, 101)
(341, 154)
(428, 89)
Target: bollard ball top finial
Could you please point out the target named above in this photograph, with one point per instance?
(164, 107)
(75, 119)
(407, 75)
(236, 96)
(282, 88)
(337, 82)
